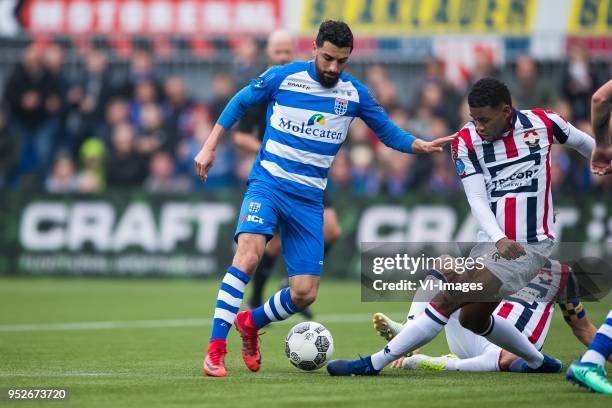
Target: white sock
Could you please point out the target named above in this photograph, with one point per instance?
(601, 346)
(486, 362)
(415, 333)
(417, 307)
(592, 356)
(503, 333)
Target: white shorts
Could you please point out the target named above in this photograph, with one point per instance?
(463, 342)
(517, 273)
(530, 317)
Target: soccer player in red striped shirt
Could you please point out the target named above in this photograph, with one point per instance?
(503, 158)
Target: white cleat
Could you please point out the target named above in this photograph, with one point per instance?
(385, 326)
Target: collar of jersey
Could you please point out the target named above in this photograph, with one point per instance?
(513, 118)
(311, 71)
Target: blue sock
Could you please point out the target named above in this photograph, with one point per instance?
(278, 307)
(601, 346)
(228, 303)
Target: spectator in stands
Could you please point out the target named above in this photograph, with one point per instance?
(246, 63)
(34, 104)
(386, 93)
(364, 171)
(579, 81)
(154, 135)
(125, 167)
(117, 112)
(223, 173)
(63, 177)
(222, 89)
(435, 73)
(93, 90)
(365, 174)
(529, 89)
(340, 173)
(382, 87)
(141, 69)
(9, 149)
(145, 93)
(397, 175)
(178, 108)
(443, 179)
(560, 170)
(162, 178)
(92, 176)
(432, 100)
(376, 74)
(484, 65)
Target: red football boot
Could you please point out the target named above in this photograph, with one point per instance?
(250, 340)
(213, 364)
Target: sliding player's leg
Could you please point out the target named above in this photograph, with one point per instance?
(388, 328)
(510, 276)
(474, 316)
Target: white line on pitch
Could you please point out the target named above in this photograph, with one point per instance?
(144, 324)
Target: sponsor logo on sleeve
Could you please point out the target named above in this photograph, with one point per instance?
(460, 167)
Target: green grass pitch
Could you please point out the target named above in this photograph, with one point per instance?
(149, 353)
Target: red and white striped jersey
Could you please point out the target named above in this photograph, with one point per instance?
(531, 309)
(516, 169)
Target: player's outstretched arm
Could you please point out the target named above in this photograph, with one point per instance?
(389, 133)
(601, 105)
(435, 146)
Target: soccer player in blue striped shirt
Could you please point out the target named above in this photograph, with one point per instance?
(310, 106)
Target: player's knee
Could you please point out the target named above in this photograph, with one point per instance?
(303, 296)
(249, 252)
(246, 262)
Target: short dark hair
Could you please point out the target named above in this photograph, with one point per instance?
(489, 92)
(336, 32)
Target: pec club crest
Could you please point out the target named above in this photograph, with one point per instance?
(531, 138)
(340, 106)
(254, 206)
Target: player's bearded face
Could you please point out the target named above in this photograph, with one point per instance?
(491, 123)
(330, 62)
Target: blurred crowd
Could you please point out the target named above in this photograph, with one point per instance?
(91, 132)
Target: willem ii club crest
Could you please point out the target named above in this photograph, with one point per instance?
(340, 106)
(531, 138)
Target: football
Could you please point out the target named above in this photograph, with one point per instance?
(309, 346)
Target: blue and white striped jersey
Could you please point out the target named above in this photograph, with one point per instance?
(306, 125)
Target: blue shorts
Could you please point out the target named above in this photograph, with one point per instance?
(300, 224)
